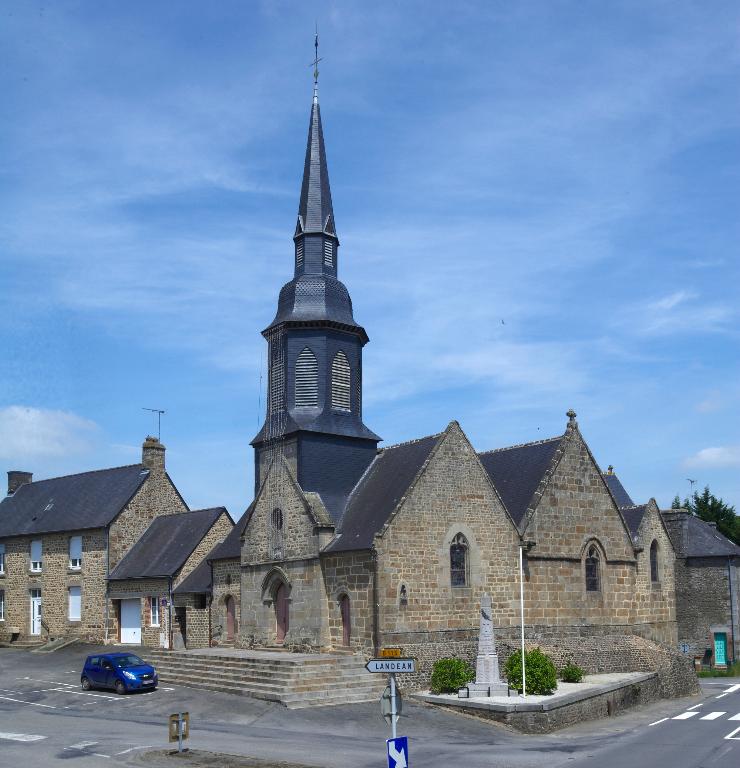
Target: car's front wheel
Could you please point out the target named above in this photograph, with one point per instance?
(86, 684)
(120, 687)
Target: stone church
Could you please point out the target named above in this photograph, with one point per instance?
(350, 546)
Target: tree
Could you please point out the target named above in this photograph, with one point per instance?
(708, 507)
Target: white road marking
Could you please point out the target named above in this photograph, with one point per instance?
(733, 688)
(133, 749)
(735, 717)
(732, 735)
(83, 745)
(696, 706)
(21, 737)
(685, 715)
(662, 720)
(56, 682)
(722, 695)
(713, 715)
(30, 703)
(85, 693)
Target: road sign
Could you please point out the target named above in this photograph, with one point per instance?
(398, 752)
(390, 653)
(391, 666)
(386, 704)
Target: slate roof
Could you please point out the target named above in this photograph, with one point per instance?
(699, 538)
(620, 495)
(633, 517)
(516, 472)
(199, 580)
(70, 503)
(379, 491)
(166, 544)
(315, 205)
(231, 548)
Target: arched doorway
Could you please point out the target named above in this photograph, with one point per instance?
(281, 613)
(230, 619)
(346, 619)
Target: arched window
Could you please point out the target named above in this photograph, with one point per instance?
(593, 576)
(459, 561)
(306, 379)
(340, 382)
(654, 576)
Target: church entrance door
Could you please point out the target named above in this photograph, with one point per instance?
(281, 612)
(230, 619)
(346, 624)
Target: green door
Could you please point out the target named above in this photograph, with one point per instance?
(720, 648)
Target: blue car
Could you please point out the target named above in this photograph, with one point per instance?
(121, 671)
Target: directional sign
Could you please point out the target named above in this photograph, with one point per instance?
(391, 666)
(390, 653)
(398, 752)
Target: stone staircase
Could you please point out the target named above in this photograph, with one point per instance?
(292, 679)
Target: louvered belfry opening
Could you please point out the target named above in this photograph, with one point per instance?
(328, 253)
(277, 377)
(340, 382)
(299, 254)
(306, 379)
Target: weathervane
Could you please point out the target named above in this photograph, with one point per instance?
(315, 65)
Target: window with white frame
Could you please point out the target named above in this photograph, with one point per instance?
(75, 552)
(36, 555)
(75, 603)
(2, 605)
(2, 558)
(154, 611)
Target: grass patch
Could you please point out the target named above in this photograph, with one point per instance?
(732, 671)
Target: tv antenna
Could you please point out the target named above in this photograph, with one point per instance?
(693, 483)
(159, 413)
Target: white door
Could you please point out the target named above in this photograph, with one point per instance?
(131, 621)
(35, 611)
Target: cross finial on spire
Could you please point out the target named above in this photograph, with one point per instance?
(315, 65)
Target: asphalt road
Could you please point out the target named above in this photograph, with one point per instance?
(46, 719)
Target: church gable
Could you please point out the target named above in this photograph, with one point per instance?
(576, 507)
(282, 523)
(449, 541)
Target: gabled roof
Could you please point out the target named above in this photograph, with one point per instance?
(230, 548)
(633, 517)
(166, 544)
(379, 491)
(70, 503)
(617, 490)
(199, 580)
(516, 472)
(697, 538)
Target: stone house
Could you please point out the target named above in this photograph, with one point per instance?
(62, 538)
(707, 587)
(141, 588)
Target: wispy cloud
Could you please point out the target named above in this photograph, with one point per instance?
(715, 457)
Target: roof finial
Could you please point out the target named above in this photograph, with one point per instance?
(571, 414)
(315, 65)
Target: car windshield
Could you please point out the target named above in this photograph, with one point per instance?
(128, 661)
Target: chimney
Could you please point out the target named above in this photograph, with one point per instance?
(152, 454)
(610, 469)
(16, 479)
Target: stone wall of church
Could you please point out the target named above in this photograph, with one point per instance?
(157, 496)
(351, 574)
(226, 583)
(218, 532)
(54, 581)
(452, 495)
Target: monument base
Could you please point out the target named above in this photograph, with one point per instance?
(483, 690)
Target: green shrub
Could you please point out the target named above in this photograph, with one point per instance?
(542, 679)
(571, 673)
(449, 675)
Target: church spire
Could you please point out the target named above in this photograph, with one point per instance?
(315, 236)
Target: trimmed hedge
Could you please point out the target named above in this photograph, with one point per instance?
(571, 673)
(542, 679)
(449, 675)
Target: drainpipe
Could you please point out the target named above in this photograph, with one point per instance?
(376, 607)
(732, 606)
(107, 583)
(169, 613)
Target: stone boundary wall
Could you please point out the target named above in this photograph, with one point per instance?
(595, 654)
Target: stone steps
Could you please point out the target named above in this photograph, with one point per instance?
(293, 680)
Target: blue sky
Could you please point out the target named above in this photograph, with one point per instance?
(537, 203)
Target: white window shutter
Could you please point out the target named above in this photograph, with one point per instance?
(75, 604)
(36, 550)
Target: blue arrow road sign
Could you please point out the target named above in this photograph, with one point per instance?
(398, 752)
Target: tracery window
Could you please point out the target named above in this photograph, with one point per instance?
(306, 379)
(654, 575)
(459, 561)
(593, 574)
(340, 382)
(277, 540)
